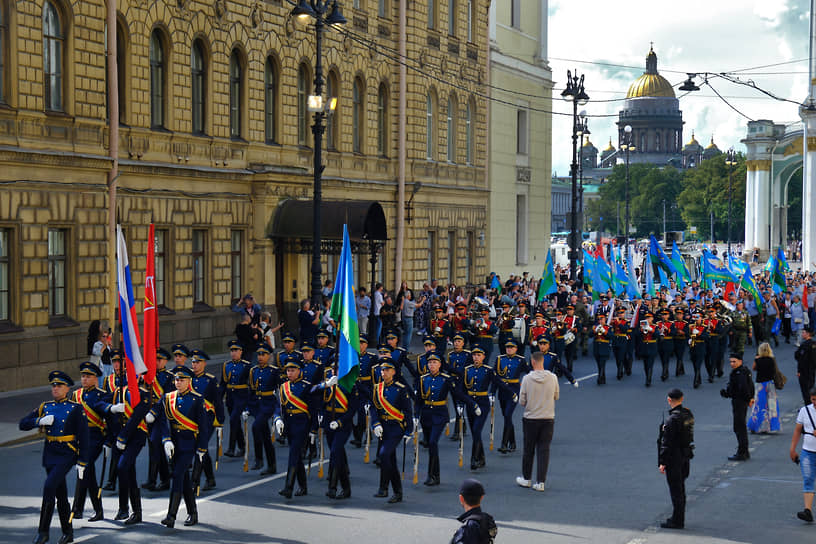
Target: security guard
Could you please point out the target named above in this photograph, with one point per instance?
(458, 359)
(478, 379)
(235, 384)
(432, 392)
(264, 380)
(741, 327)
(510, 368)
(206, 385)
(66, 445)
(647, 345)
(364, 385)
(157, 463)
(392, 420)
(323, 352)
(335, 418)
(665, 342)
(602, 335)
(184, 423)
(698, 335)
(620, 343)
(94, 401)
(680, 339)
(675, 450)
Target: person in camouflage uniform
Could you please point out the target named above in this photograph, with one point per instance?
(741, 328)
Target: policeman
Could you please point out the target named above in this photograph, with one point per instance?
(295, 412)
(675, 450)
(157, 463)
(206, 385)
(392, 420)
(477, 526)
(94, 401)
(335, 418)
(620, 342)
(698, 334)
(509, 367)
(66, 445)
(235, 383)
(364, 385)
(741, 327)
(432, 392)
(665, 342)
(478, 379)
(601, 336)
(323, 352)
(113, 383)
(458, 359)
(680, 339)
(483, 330)
(184, 424)
(573, 325)
(647, 342)
(263, 380)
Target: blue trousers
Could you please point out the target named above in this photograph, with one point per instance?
(297, 430)
(477, 423)
(508, 407)
(182, 462)
(236, 404)
(391, 438)
(336, 441)
(126, 467)
(56, 490)
(261, 434)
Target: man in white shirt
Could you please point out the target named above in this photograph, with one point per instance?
(806, 425)
(378, 303)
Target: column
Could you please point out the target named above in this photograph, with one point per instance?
(762, 204)
(809, 192)
(749, 212)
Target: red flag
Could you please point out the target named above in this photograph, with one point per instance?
(729, 288)
(150, 314)
(599, 252)
(805, 297)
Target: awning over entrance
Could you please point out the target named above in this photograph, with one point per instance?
(291, 226)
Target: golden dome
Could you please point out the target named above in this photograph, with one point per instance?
(610, 147)
(651, 83)
(587, 143)
(712, 145)
(693, 140)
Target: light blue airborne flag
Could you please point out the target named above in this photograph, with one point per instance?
(547, 285)
(664, 280)
(783, 262)
(589, 267)
(632, 285)
(343, 311)
(621, 279)
(683, 275)
(714, 270)
(659, 257)
(648, 277)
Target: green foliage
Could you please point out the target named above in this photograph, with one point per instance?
(705, 191)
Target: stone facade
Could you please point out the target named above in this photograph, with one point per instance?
(224, 183)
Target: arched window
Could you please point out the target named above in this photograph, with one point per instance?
(451, 128)
(53, 52)
(357, 115)
(270, 101)
(302, 96)
(236, 89)
(198, 69)
(657, 141)
(332, 90)
(430, 130)
(158, 76)
(382, 120)
(469, 133)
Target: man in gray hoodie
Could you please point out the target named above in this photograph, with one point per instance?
(539, 391)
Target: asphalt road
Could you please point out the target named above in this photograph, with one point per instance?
(603, 484)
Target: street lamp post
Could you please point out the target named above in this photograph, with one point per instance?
(323, 13)
(730, 162)
(583, 130)
(574, 92)
(627, 146)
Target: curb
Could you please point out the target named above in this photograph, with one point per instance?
(30, 437)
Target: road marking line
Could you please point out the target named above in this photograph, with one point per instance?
(586, 377)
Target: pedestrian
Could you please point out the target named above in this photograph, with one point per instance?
(806, 364)
(765, 412)
(309, 322)
(539, 391)
(363, 303)
(407, 308)
(478, 527)
(807, 459)
(740, 390)
(675, 451)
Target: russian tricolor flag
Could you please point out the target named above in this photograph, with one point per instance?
(134, 364)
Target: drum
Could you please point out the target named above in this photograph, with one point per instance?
(569, 338)
(519, 330)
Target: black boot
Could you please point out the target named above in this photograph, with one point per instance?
(332, 492)
(136, 506)
(482, 461)
(474, 456)
(64, 511)
(271, 461)
(648, 377)
(345, 483)
(96, 502)
(433, 471)
(383, 489)
(231, 449)
(290, 482)
(46, 513)
(80, 493)
(504, 441)
(172, 510)
(619, 374)
(258, 455)
(123, 512)
(455, 434)
(152, 472)
(665, 374)
(208, 473)
(511, 442)
(396, 483)
(192, 509)
(301, 480)
(697, 378)
(112, 472)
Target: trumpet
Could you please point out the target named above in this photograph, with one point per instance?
(599, 328)
(645, 327)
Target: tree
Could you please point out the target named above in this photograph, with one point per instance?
(705, 192)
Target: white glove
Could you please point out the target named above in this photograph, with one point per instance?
(331, 382)
(492, 399)
(150, 418)
(118, 408)
(120, 445)
(80, 471)
(575, 385)
(45, 421)
(244, 415)
(515, 398)
(201, 456)
(279, 426)
(312, 438)
(169, 449)
(477, 411)
(378, 431)
(408, 438)
(334, 425)
(416, 422)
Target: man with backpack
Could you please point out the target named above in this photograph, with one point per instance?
(675, 450)
(740, 390)
(477, 527)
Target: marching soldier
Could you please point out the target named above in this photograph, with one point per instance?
(364, 385)
(432, 392)
(392, 423)
(665, 342)
(94, 401)
(552, 362)
(180, 354)
(601, 336)
(647, 343)
(582, 313)
(539, 327)
(399, 355)
(440, 329)
(421, 366)
(482, 332)
(113, 383)
(206, 384)
(263, 380)
(157, 463)
(235, 384)
(184, 422)
(620, 344)
(66, 445)
(742, 329)
(130, 440)
(458, 359)
(313, 371)
(698, 334)
(478, 379)
(506, 322)
(337, 413)
(460, 322)
(510, 367)
(714, 354)
(680, 339)
(573, 325)
(323, 352)
(286, 354)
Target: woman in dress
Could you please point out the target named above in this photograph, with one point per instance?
(765, 412)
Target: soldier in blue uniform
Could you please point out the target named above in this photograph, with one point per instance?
(399, 355)
(206, 384)
(458, 359)
(157, 464)
(552, 362)
(478, 379)
(94, 401)
(184, 423)
(235, 385)
(295, 412)
(602, 335)
(335, 417)
(264, 380)
(509, 368)
(432, 393)
(312, 369)
(66, 445)
(113, 383)
(180, 354)
(324, 352)
(421, 366)
(392, 419)
(364, 386)
(289, 353)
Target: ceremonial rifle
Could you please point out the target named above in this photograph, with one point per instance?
(492, 420)
(459, 410)
(366, 457)
(320, 439)
(219, 433)
(246, 444)
(416, 455)
(104, 467)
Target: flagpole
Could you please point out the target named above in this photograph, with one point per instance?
(113, 146)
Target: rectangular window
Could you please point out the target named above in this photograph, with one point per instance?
(515, 13)
(470, 21)
(451, 256)
(356, 4)
(452, 17)
(5, 271)
(382, 8)
(431, 14)
(521, 229)
(160, 255)
(236, 266)
(521, 132)
(431, 265)
(470, 257)
(57, 261)
(199, 263)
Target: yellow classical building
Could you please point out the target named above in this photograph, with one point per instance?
(215, 148)
(520, 138)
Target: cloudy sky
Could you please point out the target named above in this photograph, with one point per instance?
(611, 40)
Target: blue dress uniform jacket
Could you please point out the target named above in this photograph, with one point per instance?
(457, 361)
(477, 382)
(312, 371)
(432, 408)
(510, 369)
(325, 354)
(282, 357)
(400, 357)
(263, 384)
(420, 368)
(296, 406)
(394, 413)
(183, 419)
(365, 377)
(206, 385)
(235, 386)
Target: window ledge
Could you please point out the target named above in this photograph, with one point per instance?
(61, 322)
(9, 326)
(164, 310)
(161, 129)
(238, 139)
(202, 307)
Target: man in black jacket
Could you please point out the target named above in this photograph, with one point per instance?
(806, 364)
(674, 453)
(740, 390)
(477, 527)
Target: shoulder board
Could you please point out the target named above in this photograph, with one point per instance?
(426, 374)
(97, 388)
(209, 375)
(466, 350)
(195, 393)
(552, 353)
(444, 374)
(307, 382)
(398, 384)
(469, 366)
(297, 351)
(72, 401)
